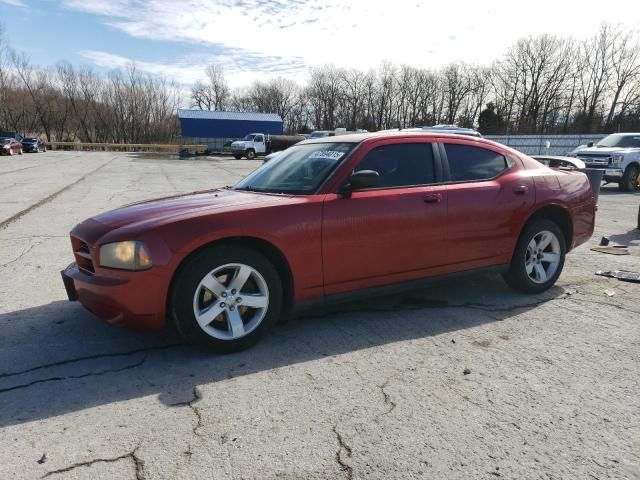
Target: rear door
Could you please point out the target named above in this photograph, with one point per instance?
(488, 196)
(394, 232)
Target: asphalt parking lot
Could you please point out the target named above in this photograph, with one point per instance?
(372, 390)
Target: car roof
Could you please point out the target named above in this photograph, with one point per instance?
(361, 137)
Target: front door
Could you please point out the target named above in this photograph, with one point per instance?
(393, 232)
(258, 143)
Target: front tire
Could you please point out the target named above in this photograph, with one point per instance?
(629, 181)
(237, 157)
(251, 154)
(20, 151)
(226, 298)
(538, 258)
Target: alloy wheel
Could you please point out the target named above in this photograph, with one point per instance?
(542, 257)
(231, 301)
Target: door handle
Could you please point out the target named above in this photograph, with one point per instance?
(520, 189)
(433, 198)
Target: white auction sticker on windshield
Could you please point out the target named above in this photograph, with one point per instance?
(327, 154)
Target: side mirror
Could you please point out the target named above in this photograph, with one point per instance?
(590, 144)
(360, 180)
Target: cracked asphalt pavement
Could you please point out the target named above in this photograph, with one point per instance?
(374, 389)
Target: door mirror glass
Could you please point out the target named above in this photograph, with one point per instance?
(364, 179)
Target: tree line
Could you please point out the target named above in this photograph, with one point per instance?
(544, 84)
(68, 103)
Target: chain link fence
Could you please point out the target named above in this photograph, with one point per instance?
(537, 144)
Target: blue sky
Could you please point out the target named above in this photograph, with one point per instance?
(257, 39)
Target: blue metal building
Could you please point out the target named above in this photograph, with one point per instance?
(216, 128)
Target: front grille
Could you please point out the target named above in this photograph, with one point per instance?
(594, 159)
(82, 252)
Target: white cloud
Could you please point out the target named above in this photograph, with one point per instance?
(181, 73)
(358, 33)
(14, 3)
(185, 71)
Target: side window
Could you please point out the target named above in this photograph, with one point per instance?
(468, 163)
(401, 164)
(258, 138)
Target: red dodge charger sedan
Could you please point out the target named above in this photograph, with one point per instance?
(327, 219)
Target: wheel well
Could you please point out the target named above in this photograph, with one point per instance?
(270, 251)
(560, 217)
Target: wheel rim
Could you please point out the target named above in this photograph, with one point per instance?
(231, 301)
(542, 257)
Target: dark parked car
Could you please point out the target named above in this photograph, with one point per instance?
(33, 144)
(10, 146)
(330, 218)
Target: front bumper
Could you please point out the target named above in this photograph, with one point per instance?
(613, 174)
(610, 174)
(130, 299)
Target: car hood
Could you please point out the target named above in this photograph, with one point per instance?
(604, 150)
(162, 210)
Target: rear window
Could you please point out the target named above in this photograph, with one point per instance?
(467, 163)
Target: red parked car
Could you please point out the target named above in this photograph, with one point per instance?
(327, 219)
(10, 146)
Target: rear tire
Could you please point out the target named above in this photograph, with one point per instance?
(538, 258)
(218, 317)
(629, 181)
(20, 151)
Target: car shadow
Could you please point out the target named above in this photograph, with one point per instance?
(630, 238)
(612, 189)
(57, 358)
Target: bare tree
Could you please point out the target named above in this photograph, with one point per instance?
(596, 73)
(214, 92)
(625, 64)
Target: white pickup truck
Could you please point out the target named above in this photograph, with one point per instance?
(618, 155)
(255, 144)
(249, 146)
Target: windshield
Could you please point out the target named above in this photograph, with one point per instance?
(4, 140)
(299, 170)
(248, 138)
(621, 141)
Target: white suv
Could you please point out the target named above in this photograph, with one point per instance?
(618, 155)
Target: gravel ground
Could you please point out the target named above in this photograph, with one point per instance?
(372, 390)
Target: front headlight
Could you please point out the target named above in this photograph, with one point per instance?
(616, 160)
(127, 255)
